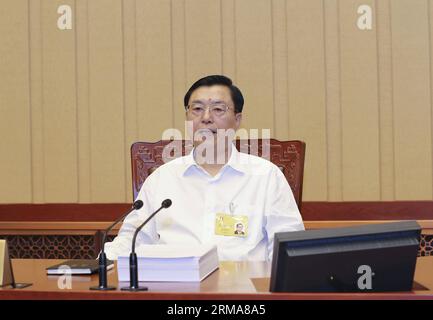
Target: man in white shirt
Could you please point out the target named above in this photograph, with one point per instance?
(212, 197)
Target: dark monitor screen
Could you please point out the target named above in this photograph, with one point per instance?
(367, 258)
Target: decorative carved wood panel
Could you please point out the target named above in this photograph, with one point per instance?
(87, 246)
(52, 246)
(426, 245)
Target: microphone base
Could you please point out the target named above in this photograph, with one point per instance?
(102, 288)
(136, 289)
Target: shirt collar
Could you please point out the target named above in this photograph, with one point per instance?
(234, 161)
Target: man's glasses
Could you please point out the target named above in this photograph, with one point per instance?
(217, 109)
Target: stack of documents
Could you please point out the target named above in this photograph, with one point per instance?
(173, 263)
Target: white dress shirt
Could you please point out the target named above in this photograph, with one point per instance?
(246, 185)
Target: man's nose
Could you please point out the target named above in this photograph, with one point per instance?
(207, 117)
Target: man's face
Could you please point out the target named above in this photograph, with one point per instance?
(208, 120)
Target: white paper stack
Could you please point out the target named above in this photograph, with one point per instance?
(174, 263)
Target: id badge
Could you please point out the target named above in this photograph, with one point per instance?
(231, 225)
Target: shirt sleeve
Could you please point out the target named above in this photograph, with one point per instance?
(122, 244)
(282, 213)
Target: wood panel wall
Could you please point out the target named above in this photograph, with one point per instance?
(73, 101)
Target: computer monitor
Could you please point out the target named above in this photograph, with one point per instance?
(368, 258)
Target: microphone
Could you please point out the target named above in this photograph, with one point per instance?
(103, 257)
(133, 265)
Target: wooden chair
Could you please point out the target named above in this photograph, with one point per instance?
(289, 156)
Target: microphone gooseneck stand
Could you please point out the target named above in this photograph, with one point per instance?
(133, 264)
(102, 268)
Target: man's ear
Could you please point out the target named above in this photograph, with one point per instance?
(187, 115)
(238, 117)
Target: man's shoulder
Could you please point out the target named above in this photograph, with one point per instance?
(172, 166)
(256, 163)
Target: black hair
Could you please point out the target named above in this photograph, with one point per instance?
(212, 80)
